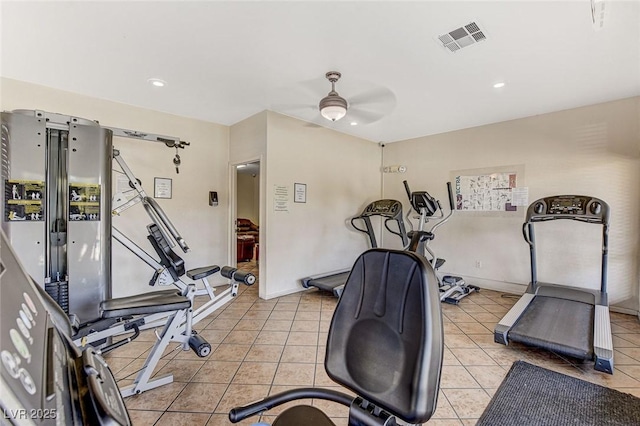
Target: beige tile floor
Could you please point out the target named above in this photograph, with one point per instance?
(263, 347)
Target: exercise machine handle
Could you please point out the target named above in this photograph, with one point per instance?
(155, 211)
(238, 414)
(406, 188)
(239, 276)
(450, 191)
(357, 228)
(525, 234)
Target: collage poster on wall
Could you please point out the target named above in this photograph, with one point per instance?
(486, 192)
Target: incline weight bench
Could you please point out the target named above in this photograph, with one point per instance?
(170, 309)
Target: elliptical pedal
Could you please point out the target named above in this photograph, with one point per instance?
(460, 287)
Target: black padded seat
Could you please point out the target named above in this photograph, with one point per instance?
(143, 304)
(199, 273)
(303, 415)
(385, 343)
(386, 339)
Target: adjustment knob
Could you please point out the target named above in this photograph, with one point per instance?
(595, 208)
(539, 208)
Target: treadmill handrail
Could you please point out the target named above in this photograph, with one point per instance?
(595, 211)
(365, 217)
(402, 233)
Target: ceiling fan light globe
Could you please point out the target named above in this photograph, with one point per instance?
(333, 107)
(333, 113)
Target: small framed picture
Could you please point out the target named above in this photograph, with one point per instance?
(299, 192)
(162, 187)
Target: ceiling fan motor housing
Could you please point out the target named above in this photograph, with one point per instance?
(333, 106)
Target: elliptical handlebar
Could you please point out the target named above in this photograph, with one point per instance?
(406, 188)
(451, 210)
(425, 217)
(451, 201)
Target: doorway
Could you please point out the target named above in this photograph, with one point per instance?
(247, 217)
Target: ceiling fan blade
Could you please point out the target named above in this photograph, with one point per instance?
(379, 98)
(293, 108)
(364, 117)
(316, 87)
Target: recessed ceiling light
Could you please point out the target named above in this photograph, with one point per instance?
(241, 166)
(353, 123)
(157, 82)
(498, 85)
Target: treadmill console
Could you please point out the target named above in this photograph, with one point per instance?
(386, 208)
(577, 207)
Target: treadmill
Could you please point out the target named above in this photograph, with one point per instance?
(390, 210)
(44, 379)
(566, 320)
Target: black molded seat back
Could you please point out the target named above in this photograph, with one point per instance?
(168, 258)
(386, 340)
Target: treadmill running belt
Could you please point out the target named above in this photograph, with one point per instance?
(330, 282)
(559, 325)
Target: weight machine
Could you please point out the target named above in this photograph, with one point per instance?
(58, 217)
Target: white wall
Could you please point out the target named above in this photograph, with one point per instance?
(342, 174)
(593, 150)
(204, 169)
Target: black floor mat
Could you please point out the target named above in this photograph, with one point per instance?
(531, 395)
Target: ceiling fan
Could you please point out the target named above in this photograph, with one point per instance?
(365, 104)
(333, 106)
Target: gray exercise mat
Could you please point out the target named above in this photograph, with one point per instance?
(531, 395)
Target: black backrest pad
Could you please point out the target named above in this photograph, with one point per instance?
(386, 339)
(168, 258)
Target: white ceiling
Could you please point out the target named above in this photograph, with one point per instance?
(225, 61)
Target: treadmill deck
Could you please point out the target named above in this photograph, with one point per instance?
(560, 325)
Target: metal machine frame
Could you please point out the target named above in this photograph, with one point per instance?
(56, 172)
(65, 242)
(177, 325)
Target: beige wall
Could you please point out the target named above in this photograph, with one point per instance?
(342, 174)
(593, 150)
(204, 169)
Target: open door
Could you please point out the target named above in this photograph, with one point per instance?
(245, 244)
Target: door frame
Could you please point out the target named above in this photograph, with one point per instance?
(233, 209)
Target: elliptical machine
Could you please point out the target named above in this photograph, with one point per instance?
(452, 288)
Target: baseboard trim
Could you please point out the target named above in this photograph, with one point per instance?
(284, 292)
(624, 311)
(483, 283)
(515, 288)
(503, 286)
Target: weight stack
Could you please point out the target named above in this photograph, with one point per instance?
(59, 291)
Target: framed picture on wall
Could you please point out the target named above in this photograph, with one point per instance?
(299, 193)
(162, 187)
